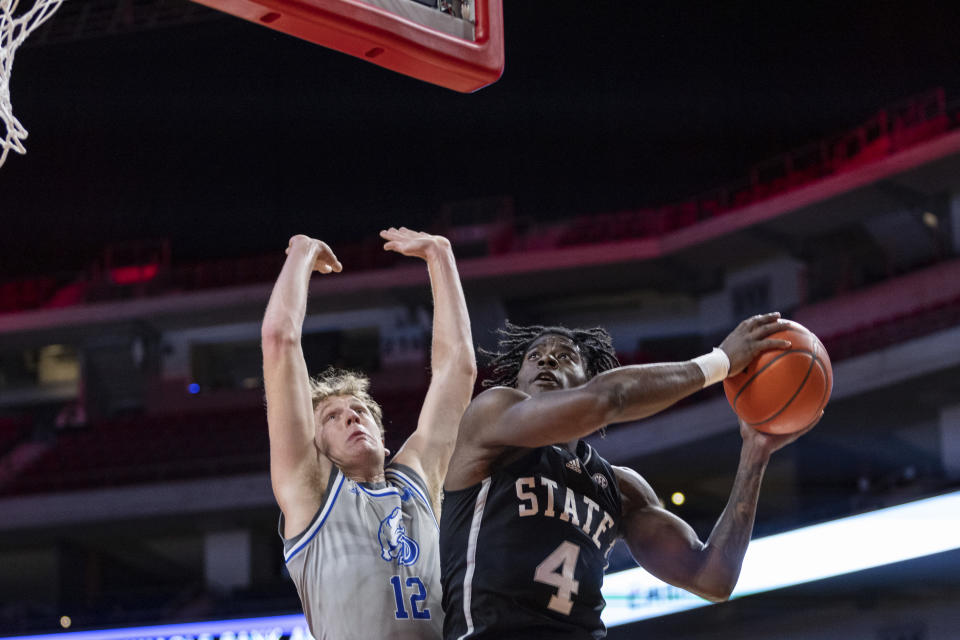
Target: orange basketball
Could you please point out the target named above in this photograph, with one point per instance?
(784, 390)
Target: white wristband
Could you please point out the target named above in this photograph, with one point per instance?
(715, 366)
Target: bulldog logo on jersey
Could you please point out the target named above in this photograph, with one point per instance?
(394, 543)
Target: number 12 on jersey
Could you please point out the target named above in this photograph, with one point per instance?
(557, 570)
(416, 599)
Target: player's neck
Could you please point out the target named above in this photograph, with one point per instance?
(364, 473)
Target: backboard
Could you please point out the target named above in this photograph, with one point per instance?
(457, 44)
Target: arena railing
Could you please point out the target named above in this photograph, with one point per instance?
(212, 443)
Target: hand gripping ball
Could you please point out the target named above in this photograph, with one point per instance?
(783, 390)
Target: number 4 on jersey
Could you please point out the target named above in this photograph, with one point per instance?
(557, 571)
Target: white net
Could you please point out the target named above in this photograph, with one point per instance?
(15, 26)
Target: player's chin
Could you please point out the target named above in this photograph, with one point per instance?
(363, 455)
(543, 386)
(366, 445)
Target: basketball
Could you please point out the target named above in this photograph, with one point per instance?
(783, 390)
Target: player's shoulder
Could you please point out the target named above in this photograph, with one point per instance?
(476, 450)
(500, 394)
(484, 411)
(636, 491)
(404, 476)
(492, 402)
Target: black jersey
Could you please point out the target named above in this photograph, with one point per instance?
(523, 553)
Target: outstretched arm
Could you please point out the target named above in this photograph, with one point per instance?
(668, 547)
(452, 361)
(507, 417)
(297, 473)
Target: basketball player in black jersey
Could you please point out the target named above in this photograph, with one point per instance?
(530, 512)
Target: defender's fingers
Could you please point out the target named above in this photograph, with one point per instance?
(328, 258)
(326, 266)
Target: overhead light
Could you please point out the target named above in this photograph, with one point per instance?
(930, 220)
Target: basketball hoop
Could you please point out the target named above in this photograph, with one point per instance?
(456, 44)
(13, 31)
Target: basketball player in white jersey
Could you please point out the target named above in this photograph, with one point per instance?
(361, 536)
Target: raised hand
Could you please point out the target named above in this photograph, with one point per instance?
(412, 243)
(772, 442)
(325, 261)
(751, 338)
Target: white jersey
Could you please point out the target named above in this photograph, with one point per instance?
(368, 566)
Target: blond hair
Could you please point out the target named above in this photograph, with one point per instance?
(339, 382)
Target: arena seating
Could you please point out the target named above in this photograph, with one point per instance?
(876, 335)
(898, 127)
(143, 448)
(12, 430)
(138, 449)
(26, 293)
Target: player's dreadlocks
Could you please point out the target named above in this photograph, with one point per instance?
(596, 348)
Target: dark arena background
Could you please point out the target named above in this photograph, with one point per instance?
(661, 170)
